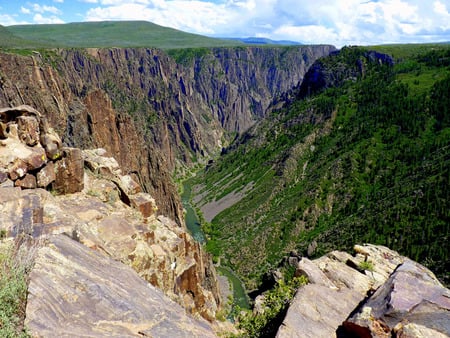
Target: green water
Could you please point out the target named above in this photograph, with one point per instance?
(191, 219)
(240, 297)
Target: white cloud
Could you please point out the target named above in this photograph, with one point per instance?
(333, 21)
(25, 10)
(306, 34)
(9, 20)
(40, 19)
(43, 9)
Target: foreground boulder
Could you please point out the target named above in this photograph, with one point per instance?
(76, 291)
(412, 303)
(377, 293)
(32, 154)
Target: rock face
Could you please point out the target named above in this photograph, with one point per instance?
(32, 155)
(76, 291)
(412, 303)
(407, 299)
(94, 204)
(169, 113)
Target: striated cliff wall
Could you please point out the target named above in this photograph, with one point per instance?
(151, 111)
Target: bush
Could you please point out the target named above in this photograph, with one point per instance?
(275, 304)
(16, 258)
(366, 265)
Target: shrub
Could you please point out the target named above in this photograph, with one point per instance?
(366, 265)
(275, 304)
(16, 259)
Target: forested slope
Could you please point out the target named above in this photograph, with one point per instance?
(362, 155)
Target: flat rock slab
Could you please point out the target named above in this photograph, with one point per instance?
(76, 291)
(411, 300)
(317, 311)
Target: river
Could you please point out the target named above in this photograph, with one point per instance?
(240, 297)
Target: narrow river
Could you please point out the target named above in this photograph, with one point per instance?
(240, 297)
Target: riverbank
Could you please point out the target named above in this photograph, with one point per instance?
(232, 286)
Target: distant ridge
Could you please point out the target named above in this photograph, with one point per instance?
(8, 39)
(265, 41)
(106, 34)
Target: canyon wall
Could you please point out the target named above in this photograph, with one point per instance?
(152, 111)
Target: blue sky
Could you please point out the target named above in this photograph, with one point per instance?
(338, 22)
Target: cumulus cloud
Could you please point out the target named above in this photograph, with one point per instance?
(340, 22)
(25, 10)
(40, 19)
(42, 9)
(8, 20)
(321, 21)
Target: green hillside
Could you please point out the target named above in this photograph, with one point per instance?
(109, 34)
(363, 156)
(9, 40)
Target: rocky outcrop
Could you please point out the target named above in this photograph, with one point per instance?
(32, 155)
(169, 113)
(95, 204)
(76, 291)
(334, 71)
(412, 303)
(377, 293)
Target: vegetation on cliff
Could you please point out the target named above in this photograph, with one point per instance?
(362, 156)
(15, 263)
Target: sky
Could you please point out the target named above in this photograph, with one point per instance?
(337, 22)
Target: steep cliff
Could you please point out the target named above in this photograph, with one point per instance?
(148, 110)
(47, 190)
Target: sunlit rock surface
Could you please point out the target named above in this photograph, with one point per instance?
(77, 291)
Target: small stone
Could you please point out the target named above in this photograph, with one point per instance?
(18, 169)
(52, 144)
(69, 172)
(28, 182)
(293, 261)
(144, 203)
(3, 175)
(129, 186)
(36, 159)
(28, 129)
(46, 175)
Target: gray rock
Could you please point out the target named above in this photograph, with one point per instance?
(46, 175)
(317, 311)
(336, 288)
(412, 295)
(74, 290)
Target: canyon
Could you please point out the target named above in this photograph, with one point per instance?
(93, 144)
(170, 114)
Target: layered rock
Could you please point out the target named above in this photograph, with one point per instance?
(168, 113)
(377, 293)
(32, 154)
(95, 204)
(76, 291)
(412, 303)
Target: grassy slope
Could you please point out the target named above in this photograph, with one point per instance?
(108, 34)
(9, 40)
(366, 162)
